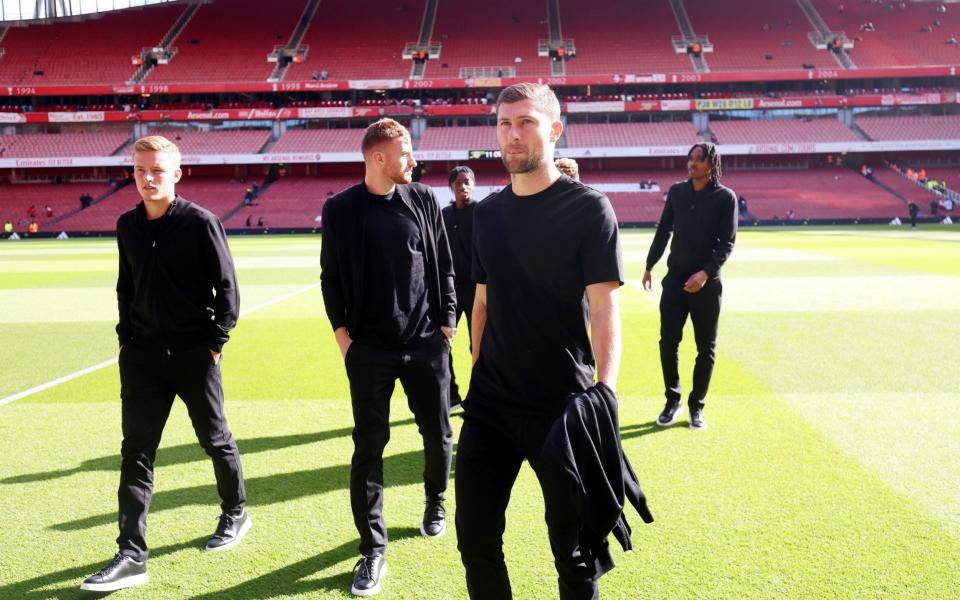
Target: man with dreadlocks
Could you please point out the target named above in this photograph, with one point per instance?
(702, 215)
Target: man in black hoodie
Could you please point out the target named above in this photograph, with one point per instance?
(387, 282)
(178, 301)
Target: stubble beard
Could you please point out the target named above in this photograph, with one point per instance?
(533, 162)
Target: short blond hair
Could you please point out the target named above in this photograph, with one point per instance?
(157, 143)
(383, 130)
(568, 167)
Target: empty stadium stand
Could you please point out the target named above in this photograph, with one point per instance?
(814, 193)
(619, 36)
(319, 140)
(229, 42)
(509, 31)
(781, 131)
(459, 138)
(909, 190)
(16, 198)
(34, 145)
(216, 194)
(95, 50)
(217, 142)
(608, 135)
(352, 40)
(756, 35)
(292, 202)
(897, 39)
(911, 128)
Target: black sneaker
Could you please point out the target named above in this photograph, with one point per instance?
(670, 413)
(367, 574)
(122, 572)
(696, 419)
(434, 519)
(229, 532)
(456, 405)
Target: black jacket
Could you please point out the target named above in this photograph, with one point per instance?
(176, 287)
(342, 254)
(704, 228)
(585, 442)
(461, 242)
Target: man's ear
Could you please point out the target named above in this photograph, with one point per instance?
(556, 130)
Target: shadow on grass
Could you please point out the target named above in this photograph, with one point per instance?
(398, 469)
(633, 431)
(187, 453)
(294, 580)
(34, 588)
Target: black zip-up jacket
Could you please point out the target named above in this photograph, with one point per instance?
(176, 288)
(704, 227)
(585, 443)
(342, 255)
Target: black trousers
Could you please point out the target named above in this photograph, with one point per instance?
(425, 377)
(488, 461)
(465, 296)
(703, 309)
(149, 381)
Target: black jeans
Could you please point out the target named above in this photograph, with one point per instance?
(703, 308)
(488, 461)
(465, 296)
(424, 374)
(149, 381)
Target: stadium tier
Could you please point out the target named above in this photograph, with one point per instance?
(906, 188)
(319, 140)
(607, 135)
(950, 175)
(612, 36)
(895, 34)
(756, 34)
(217, 142)
(32, 145)
(90, 51)
(291, 202)
(353, 40)
(229, 42)
(911, 128)
(781, 131)
(17, 198)
(459, 138)
(507, 31)
(813, 194)
(216, 194)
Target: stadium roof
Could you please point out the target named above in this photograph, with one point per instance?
(28, 10)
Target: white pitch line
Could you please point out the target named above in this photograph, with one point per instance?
(113, 361)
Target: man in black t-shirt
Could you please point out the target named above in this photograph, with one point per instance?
(546, 260)
(387, 282)
(702, 216)
(458, 221)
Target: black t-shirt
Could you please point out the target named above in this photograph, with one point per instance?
(396, 305)
(536, 254)
(459, 224)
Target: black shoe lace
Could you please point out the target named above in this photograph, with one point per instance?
(435, 511)
(226, 522)
(114, 564)
(366, 566)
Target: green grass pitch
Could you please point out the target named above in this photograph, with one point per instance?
(831, 467)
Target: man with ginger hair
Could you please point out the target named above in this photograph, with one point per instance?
(388, 290)
(547, 264)
(568, 167)
(178, 301)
